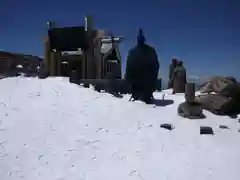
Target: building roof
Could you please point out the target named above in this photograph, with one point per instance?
(8, 55)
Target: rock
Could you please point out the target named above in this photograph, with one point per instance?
(217, 104)
(190, 92)
(190, 111)
(223, 127)
(226, 100)
(167, 126)
(222, 85)
(206, 130)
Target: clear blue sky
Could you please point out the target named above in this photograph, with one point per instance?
(203, 33)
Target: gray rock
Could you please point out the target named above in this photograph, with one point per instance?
(190, 111)
(223, 127)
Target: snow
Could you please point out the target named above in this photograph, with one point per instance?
(53, 130)
(19, 66)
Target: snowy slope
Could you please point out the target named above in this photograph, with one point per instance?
(53, 130)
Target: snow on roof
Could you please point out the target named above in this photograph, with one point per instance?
(51, 129)
(19, 66)
(106, 47)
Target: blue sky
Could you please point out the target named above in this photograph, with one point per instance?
(203, 33)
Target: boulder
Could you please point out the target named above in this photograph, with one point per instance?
(221, 85)
(217, 104)
(226, 97)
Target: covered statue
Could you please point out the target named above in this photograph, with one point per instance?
(142, 70)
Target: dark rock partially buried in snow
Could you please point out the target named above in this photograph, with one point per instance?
(223, 127)
(190, 111)
(167, 126)
(206, 130)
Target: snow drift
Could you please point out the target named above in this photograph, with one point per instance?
(53, 130)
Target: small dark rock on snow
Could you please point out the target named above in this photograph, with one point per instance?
(206, 130)
(223, 127)
(167, 126)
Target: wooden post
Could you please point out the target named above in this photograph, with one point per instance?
(52, 63)
(190, 92)
(46, 54)
(59, 72)
(57, 63)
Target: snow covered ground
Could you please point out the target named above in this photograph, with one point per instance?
(53, 130)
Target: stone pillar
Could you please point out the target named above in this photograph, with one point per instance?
(52, 64)
(58, 63)
(98, 57)
(190, 92)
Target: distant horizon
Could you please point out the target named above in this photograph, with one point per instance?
(164, 78)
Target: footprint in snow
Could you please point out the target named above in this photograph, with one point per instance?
(39, 157)
(94, 157)
(99, 129)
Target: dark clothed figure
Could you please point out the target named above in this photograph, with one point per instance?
(179, 78)
(142, 70)
(171, 70)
